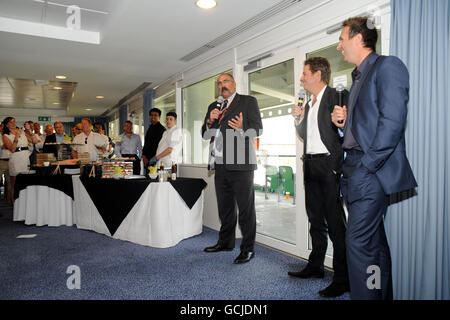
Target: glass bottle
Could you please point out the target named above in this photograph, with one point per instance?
(174, 171)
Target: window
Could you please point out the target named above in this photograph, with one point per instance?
(113, 126)
(340, 70)
(274, 180)
(196, 99)
(166, 104)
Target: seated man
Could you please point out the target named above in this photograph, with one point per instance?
(169, 148)
(130, 146)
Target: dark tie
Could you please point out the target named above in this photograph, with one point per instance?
(356, 75)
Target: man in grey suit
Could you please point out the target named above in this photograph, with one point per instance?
(322, 159)
(232, 125)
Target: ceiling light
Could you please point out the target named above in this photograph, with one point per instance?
(206, 4)
(55, 102)
(61, 77)
(100, 97)
(88, 109)
(57, 88)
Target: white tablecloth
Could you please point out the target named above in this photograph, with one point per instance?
(160, 218)
(41, 205)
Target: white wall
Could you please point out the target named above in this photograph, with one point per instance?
(210, 216)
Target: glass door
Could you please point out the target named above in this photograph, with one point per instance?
(274, 85)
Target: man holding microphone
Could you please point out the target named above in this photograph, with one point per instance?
(375, 165)
(322, 158)
(232, 124)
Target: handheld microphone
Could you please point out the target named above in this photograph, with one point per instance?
(218, 106)
(219, 102)
(339, 90)
(301, 99)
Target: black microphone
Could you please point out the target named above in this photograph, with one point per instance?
(219, 102)
(218, 106)
(301, 99)
(340, 88)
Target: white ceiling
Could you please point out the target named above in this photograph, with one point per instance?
(141, 41)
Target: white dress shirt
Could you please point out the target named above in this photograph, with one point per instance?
(89, 145)
(314, 144)
(172, 138)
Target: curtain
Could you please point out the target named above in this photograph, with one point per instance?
(418, 229)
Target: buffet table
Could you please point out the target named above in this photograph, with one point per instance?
(141, 211)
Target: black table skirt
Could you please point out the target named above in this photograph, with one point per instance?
(114, 198)
(61, 182)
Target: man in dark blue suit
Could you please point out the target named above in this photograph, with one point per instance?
(375, 165)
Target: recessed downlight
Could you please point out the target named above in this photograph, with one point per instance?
(88, 109)
(99, 97)
(206, 4)
(61, 77)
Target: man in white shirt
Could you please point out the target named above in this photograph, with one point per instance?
(91, 142)
(170, 145)
(322, 160)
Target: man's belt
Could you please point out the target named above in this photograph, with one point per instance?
(21, 149)
(314, 156)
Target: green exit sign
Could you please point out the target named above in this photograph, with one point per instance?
(44, 118)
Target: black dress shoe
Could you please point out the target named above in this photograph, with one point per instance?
(217, 248)
(307, 273)
(334, 290)
(244, 256)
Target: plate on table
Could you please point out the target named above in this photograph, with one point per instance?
(132, 176)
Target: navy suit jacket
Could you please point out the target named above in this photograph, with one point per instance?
(378, 123)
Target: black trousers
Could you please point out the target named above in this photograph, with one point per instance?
(136, 163)
(234, 189)
(326, 215)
